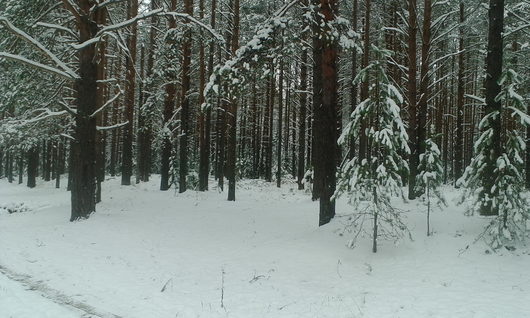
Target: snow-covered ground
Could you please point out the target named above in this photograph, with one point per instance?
(147, 253)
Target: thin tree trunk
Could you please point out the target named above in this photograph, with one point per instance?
(185, 102)
(459, 147)
(412, 95)
(169, 105)
(130, 87)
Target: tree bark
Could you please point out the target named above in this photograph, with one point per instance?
(459, 146)
(130, 87)
(412, 97)
(325, 94)
(493, 89)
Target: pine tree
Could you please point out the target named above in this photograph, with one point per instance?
(506, 193)
(375, 179)
(430, 178)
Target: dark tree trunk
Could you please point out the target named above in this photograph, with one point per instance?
(353, 88)
(205, 132)
(185, 103)
(459, 146)
(21, 167)
(363, 139)
(302, 121)
(325, 113)
(493, 89)
(145, 130)
(130, 85)
(423, 108)
(84, 147)
(169, 105)
(232, 114)
(412, 97)
(33, 162)
(280, 132)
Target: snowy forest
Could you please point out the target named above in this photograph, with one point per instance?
(281, 158)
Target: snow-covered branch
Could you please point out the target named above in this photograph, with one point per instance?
(101, 128)
(109, 102)
(37, 65)
(26, 37)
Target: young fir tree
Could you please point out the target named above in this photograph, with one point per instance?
(430, 177)
(371, 182)
(506, 195)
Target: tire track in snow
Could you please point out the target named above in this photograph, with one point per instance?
(54, 295)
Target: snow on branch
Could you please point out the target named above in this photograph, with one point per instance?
(100, 128)
(109, 102)
(126, 23)
(57, 27)
(197, 22)
(37, 65)
(26, 37)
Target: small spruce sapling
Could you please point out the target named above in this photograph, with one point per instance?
(370, 183)
(430, 178)
(506, 195)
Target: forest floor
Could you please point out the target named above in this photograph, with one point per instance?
(152, 254)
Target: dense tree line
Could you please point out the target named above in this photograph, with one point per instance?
(231, 89)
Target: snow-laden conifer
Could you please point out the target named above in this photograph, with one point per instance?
(370, 183)
(505, 197)
(430, 178)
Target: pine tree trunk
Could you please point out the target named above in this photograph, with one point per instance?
(412, 97)
(205, 137)
(21, 167)
(185, 103)
(232, 113)
(325, 94)
(459, 147)
(363, 139)
(302, 120)
(33, 162)
(423, 108)
(493, 89)
(354, 86)
(280, 131)
(83, 186)
(130, 87)
(169, 105)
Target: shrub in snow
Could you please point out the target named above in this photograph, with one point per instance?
(505, 196)
(371, 182)
(11, 208)
(430, 177)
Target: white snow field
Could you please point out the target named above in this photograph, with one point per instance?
(152, 254)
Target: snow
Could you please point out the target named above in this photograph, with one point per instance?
(147, 253)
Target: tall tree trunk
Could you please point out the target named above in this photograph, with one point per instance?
(232, 113)
(493, 89)
(354, 86)
(144, 122)
(185, 102)
(130, 87)
(325, 94)
(169, 106)
(423, 108)
(101, 98)
(83, 185)
(459, 146)
(302, 120)
(363, 139)
(205, 117)
(33, 162)
(280, 132)
(412, 97)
